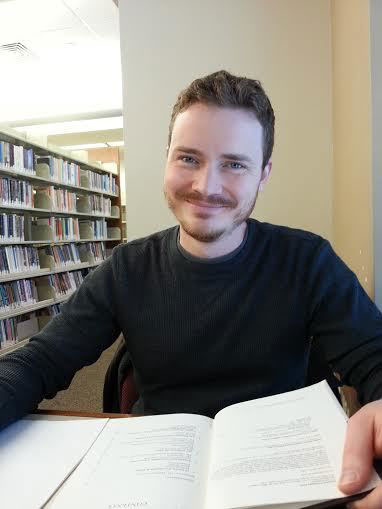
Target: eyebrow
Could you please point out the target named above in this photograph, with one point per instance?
(232, 156)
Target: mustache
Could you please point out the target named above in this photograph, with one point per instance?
(212, 199)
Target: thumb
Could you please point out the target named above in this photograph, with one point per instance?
(358, 452)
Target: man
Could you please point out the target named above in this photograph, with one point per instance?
(222, 308)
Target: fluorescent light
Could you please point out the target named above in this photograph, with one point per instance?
(74, 126)
(85, 146)
(115, 143)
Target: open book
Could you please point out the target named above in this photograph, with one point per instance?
(278, 452)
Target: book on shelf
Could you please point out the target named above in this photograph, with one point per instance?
(16, 157)
(22, 293)
(114, 233)
(61, 284)
(55, 199)
(50, 310)
(58, 169)
(93, 252)
(15, 193)
(12, 227)
(273, 452)
(115, 211)
(67, 255)
(65, 282)
(100, 205)
(15, 329)
(94, 204)
(93, 229)
(17, 294)
(55, 257)
(18, 259)
(55, 228)
(102, 182)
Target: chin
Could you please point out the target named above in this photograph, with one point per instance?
(204, 233)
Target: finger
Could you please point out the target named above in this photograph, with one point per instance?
(358, 452)
(372, 501)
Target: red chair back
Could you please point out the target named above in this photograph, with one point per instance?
(129, 394)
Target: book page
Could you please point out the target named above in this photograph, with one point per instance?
(37, 453)
(153, 462)
(278, 449)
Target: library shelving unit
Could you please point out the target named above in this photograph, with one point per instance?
(123, 223)
(111, 155)
(59, 217)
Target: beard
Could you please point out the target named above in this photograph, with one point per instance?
(212, 234)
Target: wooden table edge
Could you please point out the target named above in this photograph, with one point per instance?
(74, 413)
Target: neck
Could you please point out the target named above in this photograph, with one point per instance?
(220, 247)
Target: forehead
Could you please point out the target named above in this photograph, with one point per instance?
(213, 128)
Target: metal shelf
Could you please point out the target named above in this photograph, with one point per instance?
(47, 272)
(4, 170)
(50, 242)
(42, 149)
(19, 344)
(16, 346)
(27, 309)
(33, 307)
(48, 213)
(15, 137)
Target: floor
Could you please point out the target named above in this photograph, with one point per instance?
(85, 391)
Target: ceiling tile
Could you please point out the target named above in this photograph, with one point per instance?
(16, 18)
(72, 40)
(99, 15)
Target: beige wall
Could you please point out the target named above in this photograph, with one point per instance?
(286, 44)
(352, 175)
(376, 79)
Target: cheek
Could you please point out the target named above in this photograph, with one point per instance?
(176, 180)
(244, 190)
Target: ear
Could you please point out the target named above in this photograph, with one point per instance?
(265, 175)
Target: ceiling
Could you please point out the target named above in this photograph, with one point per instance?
(70, 59)
(84, 138)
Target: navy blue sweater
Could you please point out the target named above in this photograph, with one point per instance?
(204, 335)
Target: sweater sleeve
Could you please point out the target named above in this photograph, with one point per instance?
(76, 337)
(346, 324)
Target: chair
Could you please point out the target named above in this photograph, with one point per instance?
(119, 390)
(318, 370)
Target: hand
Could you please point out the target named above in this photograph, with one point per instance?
(363, 443)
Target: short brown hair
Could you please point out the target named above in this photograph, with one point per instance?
(226, 90)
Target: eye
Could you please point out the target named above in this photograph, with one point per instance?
(236, 166)
(187, 159)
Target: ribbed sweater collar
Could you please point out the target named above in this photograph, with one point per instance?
(223, 265)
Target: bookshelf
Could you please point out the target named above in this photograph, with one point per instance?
(39, 321)
(53, 243)
(59, 217)
(41, 180)
(15, 346)
(111, 155)
(52, 212)
(46, 272)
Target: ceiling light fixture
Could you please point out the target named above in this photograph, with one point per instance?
(115, 143)
(85, 146)
(74, 126)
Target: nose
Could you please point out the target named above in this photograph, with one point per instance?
(207, 181)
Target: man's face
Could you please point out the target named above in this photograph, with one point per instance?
(213, 171)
